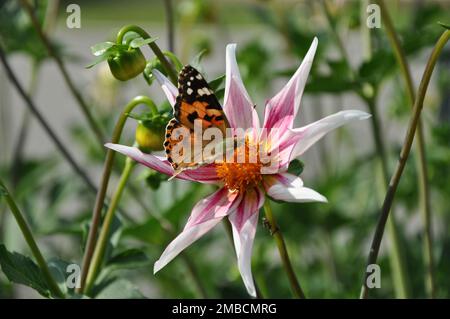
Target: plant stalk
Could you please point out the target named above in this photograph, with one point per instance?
(43, 122)
(107, 168)
(28, 235)
(404, 153)
(62, 68)
(103, 237)
(424, 192)
(276, 233)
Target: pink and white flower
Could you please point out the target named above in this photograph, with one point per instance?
(244, 186)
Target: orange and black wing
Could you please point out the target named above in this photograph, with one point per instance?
(195, 101)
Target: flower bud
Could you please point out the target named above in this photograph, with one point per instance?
(150, 135)
(127, 64)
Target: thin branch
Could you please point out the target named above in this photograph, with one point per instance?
(170, 24)
(396, 256)
(424, 193)
(62, 68)
(29, 238)
(404, 153)
(287, 265)
(101, 194)
(52, 135)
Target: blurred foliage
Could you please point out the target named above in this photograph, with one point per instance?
(328, 243)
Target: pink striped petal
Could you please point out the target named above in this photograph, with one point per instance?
(219, 204)
(238, 106)
(204, 174)
(169, 89)
(183, 240)
(244, 221)
(286, 179)
(303, 138)
(289, 188)
(282, 108)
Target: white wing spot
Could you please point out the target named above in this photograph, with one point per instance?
(189, 91)
(189, 83)
(199, 76)
(191, 78)
(203, 91)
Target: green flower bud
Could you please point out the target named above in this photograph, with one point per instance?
(127, 64)
(150, 135)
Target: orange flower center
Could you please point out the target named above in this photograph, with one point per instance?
(244, 170)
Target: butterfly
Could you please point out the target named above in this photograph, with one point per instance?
(196, 101)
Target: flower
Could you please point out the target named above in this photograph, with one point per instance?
(243, 186)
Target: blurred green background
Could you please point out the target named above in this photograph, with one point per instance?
(354, 68)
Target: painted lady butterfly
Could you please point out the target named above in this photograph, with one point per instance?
(195, 101)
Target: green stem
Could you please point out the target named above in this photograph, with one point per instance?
(192, 270)
(174, 59)
(396, 257)
(62, 68)
(170, 24)
(103, 237)
(424, 193)
(276, 233)
(156, 50)
(404, 153)
(107, 168)
(333, 28)
(28, 235)
(60, 146)
(24, 127)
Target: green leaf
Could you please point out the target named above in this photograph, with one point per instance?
(378, 67)
(120, 289)
(3, 191)
(98, 60)
(153, 179)
(18, 33)
(195, 62)
(115, 233)
(217, 82)
(131, 258)
(138, 42)
(100, 48)
(150, 231)
(445, 25)
(58, 269)
(22, 270)
(105, 52)
(296, 167)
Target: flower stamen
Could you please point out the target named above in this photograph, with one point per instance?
(241, 175)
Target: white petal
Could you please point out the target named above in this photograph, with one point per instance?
(186, 238)
(281, 110)
(244, 221)
(289, 188)
(219, 204)
(203, 174)
(169, 89)
(238, 107)
(298, 195)
(306, 136)
(243, 243)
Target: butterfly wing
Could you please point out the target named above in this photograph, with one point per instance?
(195, 101)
